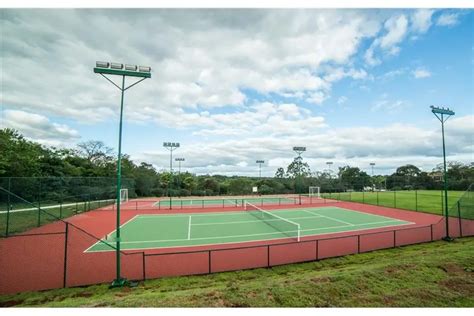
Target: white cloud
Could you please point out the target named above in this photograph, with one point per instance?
(421, 20)
(396, 30)
(200, 59)
(421, 73)
(342, 100)
(39, 128)
(389, 146)
(448, 19)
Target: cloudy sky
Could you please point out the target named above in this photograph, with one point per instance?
(234, 86)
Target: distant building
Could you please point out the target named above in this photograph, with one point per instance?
(436, 176)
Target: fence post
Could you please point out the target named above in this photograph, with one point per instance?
(65, 254)
(416, 200)
(209, 252)
(60, 209)
(358, 243)
(459, 219)
(363, 196)
(8, 207)
(268, 256)
(39, 204)
(377, 198)
(144, 267)
(395, 199)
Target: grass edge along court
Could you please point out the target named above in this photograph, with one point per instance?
(153, 231)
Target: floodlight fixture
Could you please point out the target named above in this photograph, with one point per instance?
(131, 67)
(106, 68)
(144, 69)
(299, 149)
(102, 64)
(443, 114)
(260, 161)
(116, 66)
(179, 159)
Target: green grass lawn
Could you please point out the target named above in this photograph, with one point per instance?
(428, 275)
(421, 200)
(19, 222)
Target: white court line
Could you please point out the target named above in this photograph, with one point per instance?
(239, 242)
(105, 237)
(333, 219)
(189, 228)
(257, 221)
(259, 234)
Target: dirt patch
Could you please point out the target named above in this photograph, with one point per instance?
(452, 268)
(321, 280)
(85, 294)
(459, 284)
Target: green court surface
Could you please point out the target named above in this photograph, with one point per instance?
(225, 202)
(197, 229)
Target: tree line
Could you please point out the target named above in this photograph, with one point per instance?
(21, 157)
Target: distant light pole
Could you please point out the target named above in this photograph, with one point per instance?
(298, 150)
(372, 164)
(443, 115)
(329, 163)
(170, 146)
(260, 162)
(179, 173)
(143, 72)
(179, 164)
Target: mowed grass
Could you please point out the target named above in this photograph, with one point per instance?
(427, 275)
(19, 222)
(428, 201)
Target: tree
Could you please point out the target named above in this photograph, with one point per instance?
(19, 157)
(353, 178)
(298, 168)
(96, 152)
(280, 173)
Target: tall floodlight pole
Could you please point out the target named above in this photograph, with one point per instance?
(329, 163)
(298, 150)
(179, 173)
(143, 72)
(179, 164)
(372, 164)
(260, 162)
(443, 115)
(170, 146)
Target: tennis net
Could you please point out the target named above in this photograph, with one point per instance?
(283, 225)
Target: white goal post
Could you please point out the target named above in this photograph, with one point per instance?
(315, 192)
(123, 196)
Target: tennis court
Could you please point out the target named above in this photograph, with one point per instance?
(225, 202)
(150, 231)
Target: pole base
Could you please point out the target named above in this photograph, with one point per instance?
(447, 238)
(122, 283)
